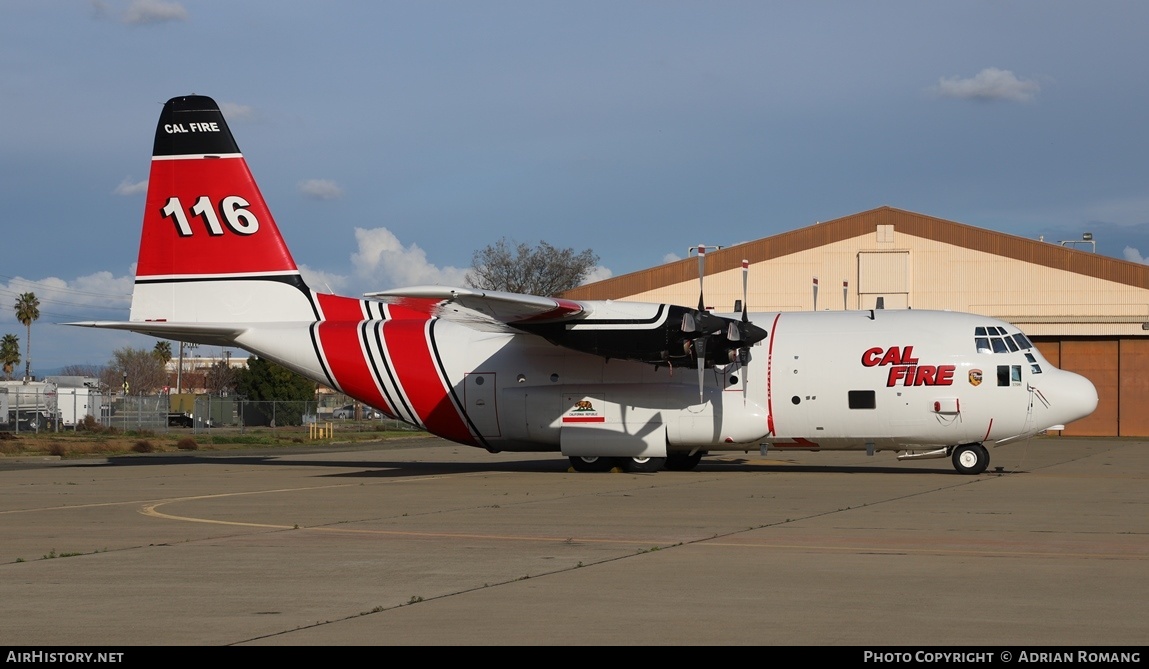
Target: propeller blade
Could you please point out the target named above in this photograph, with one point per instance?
(701, 273)
(688, 323)
(700, 356)
(745, 298)
(744, 358)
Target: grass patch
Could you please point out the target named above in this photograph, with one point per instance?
(187, 444)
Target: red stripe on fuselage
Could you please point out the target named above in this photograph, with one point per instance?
(411, 358)
(347, 360)
(339, 308)
(770, 376)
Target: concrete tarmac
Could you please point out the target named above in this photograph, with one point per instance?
(422, 542)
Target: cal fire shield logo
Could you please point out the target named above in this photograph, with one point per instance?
(975, 377)
(905, 369)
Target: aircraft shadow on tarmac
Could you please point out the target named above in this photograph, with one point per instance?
(546, 464)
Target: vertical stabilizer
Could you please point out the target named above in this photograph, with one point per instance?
(210, 251)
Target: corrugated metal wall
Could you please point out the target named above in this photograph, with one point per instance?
(1133, 404)
(1119, 369)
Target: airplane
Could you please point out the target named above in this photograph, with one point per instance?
(611, 385)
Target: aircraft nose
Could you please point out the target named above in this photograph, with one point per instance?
(1076, 397)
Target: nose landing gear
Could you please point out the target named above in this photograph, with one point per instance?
(970, 458)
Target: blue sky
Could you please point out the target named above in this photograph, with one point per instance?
(393, 139)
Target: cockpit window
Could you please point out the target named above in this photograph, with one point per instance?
(994, 339)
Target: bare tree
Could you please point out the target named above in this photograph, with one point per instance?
(144, 372)
(220, 378)
(518, 268)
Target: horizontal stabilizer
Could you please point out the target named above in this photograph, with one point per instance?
(209, 334)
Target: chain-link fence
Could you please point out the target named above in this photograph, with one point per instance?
(31, 408)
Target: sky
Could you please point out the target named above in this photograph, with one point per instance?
(394, 139)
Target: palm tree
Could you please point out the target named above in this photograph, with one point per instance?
(162, 351)
(9, 353)
(27, 310)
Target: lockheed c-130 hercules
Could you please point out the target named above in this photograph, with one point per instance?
(602, 382)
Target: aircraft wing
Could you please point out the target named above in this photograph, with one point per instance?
(646, 332)
(507, 308)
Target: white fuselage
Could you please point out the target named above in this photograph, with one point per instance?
(820, 380)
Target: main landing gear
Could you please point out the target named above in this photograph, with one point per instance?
(970, 458)
(637, 465)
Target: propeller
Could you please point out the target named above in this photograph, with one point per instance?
(744, 352)
(718, 340)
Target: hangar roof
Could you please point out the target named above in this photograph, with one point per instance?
(1045, 254)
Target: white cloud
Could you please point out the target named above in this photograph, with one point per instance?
(323, 281)
(236, 112)
(383, 261)
(99, 295)
(320, 189)
(143, 12)
(670, 257)
(1133, 255)
(598, 273)
(127, 187)
(989, 84)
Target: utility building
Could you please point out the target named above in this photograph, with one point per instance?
(1086, 313)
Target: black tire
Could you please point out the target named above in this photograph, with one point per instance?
(683, 462)
(643, 465)
(592, 464)
(970, 458)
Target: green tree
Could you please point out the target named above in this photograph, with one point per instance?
(10, 353)
(27, 310)
(274, 392)
(518, 268)
(162, 351)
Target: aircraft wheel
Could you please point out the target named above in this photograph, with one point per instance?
(643, 465)
(591, 463)
(970, 458)
(683, 462)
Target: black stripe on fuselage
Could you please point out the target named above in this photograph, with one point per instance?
(374, 363)
(451, 386)
(412, 417)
